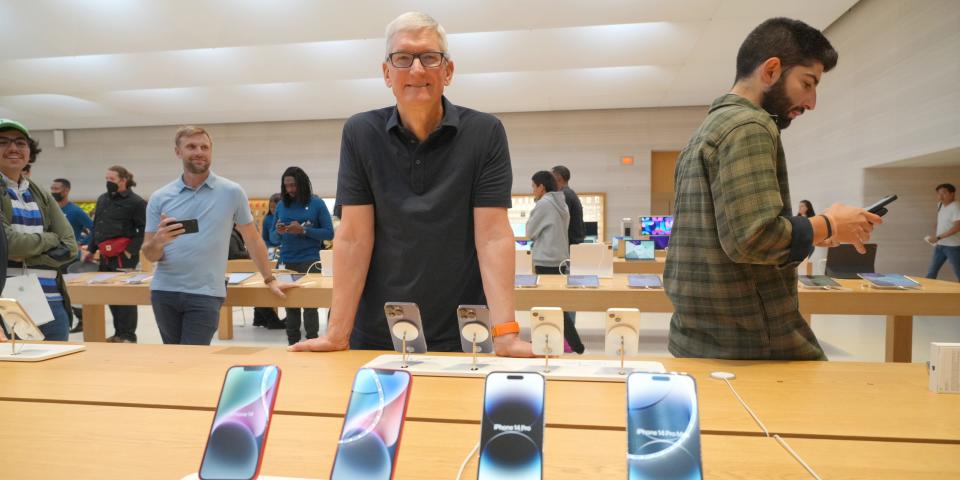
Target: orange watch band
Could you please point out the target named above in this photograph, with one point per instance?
(506, 328)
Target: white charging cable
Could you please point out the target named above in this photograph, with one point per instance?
(463, 466)
(726, 377)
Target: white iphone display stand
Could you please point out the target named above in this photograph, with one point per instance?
(567, 368)
(326, 263)
(21, 326)
(591, 259)
(623, 334)
(546, 333)
(194, 476)
(476, 333)
(405, 331)
(524, 262)
(403, 320)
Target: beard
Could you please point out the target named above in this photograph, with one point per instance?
(777, 103)
(194, 168)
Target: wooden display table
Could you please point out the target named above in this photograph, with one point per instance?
(937, 297)
(873, 401)
(639, 266)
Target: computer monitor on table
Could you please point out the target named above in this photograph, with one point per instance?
(843, 261)
(662, 225)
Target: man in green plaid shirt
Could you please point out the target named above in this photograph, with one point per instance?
(731, 267)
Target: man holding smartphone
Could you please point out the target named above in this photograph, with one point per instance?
(730, 270)
(424, 188)
(188, 284)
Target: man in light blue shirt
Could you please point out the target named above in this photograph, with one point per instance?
(188, 284)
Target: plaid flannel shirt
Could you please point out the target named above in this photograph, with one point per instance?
(730, 270)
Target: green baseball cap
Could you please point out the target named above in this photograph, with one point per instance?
(7, 124)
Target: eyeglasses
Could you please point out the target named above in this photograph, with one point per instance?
(427, 59)
(21, 143)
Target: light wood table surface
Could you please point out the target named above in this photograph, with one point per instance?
(937, 297)
(871, 401)
(654, 266)
(89, 441)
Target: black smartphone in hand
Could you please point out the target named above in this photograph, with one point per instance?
(879, 208)
(189, 226)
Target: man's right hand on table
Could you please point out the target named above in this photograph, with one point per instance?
(320, 344)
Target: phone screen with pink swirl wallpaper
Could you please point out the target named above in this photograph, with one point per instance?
(239, 433)
(372, 427)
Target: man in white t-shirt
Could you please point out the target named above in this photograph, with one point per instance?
(947, 237)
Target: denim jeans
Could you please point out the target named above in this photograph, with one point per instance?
(59, 328)
(941, 254)
(186, 318)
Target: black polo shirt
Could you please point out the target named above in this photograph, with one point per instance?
(423, 196)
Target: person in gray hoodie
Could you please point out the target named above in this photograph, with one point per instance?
(547, 228)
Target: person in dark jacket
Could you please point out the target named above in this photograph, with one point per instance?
(575, 232)
(118, 222)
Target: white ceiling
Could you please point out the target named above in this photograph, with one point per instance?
(943, 158)
(104, 63)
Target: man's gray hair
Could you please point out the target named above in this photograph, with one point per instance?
(413, 22)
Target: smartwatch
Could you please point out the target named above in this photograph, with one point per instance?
(506, 328)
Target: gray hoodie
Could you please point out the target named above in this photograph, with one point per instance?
(547, 227)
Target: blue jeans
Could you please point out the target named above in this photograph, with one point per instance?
(186, 318)
(941, 254)
(58, 329)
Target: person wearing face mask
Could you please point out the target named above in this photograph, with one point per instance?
(81, 224)
(728, 271)
(79, 220)
(118, 224)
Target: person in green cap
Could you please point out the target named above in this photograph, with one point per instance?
(39, 237)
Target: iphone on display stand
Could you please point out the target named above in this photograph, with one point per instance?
(511, 436)
(369, 441)
(663, 427)
(475, 328)
(406, 328)
(238, 435)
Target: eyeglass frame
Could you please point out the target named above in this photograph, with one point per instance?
(416, 56)
(21, 142)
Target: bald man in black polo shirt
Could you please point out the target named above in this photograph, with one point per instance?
(425, 187)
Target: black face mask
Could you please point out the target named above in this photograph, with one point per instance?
(112, 187)
(57, 196)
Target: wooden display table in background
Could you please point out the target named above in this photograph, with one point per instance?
(654, 266)
(937, 297)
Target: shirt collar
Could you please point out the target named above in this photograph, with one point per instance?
(210, 182)
(451, 116)
(21, 186)
(734, 99)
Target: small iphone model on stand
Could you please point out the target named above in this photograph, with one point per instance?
(238, 436)
(370, 438)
